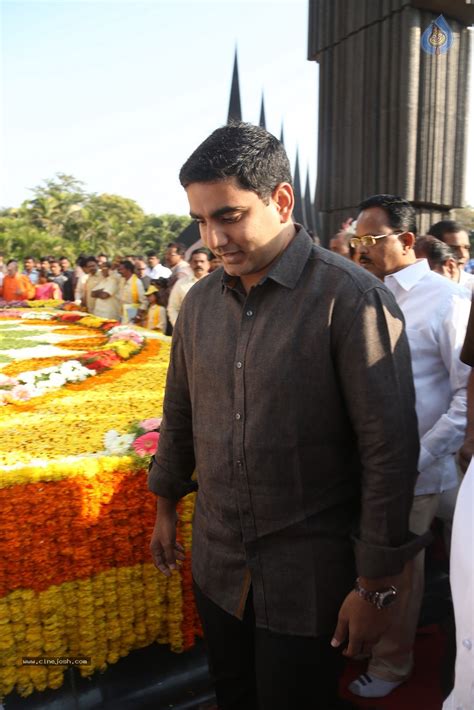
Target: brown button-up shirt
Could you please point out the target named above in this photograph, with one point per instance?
(295, 404)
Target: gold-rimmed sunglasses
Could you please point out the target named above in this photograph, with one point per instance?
(370, 240)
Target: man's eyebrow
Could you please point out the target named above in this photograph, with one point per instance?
(221, 211)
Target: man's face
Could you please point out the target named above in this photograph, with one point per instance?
(12, 268)
(237, 226)
(152, 261)
(29, 265)
(200, 265)
(101, 260)
(388, 254)
(172, 256)
(459, 243)
(91, 268)
(55, 269)
(45, 264)
(65, 265)
(140, 269)
(104, 270)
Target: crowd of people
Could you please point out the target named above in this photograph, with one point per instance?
(134, 288)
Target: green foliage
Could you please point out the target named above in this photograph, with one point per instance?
(62, 218)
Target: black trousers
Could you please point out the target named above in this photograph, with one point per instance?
(257, 669)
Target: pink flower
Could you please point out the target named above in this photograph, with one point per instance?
(7, 381)
(21, 393)
(146, 444)
(150, 424)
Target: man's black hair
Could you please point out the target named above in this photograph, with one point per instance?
(439, 229)
(28, 258)
(151, 253)
(12, 261)
(180, 248)
(433, 249)
(201, 250)
(401, 213)
(128, 265)
(90, 258)
(248, 153)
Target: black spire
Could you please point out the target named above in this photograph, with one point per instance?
(308, 205)
(282, 136)
(298, 214)
(262, 123)
(235, 112)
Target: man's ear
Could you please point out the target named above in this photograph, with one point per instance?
(408, 240)
(453, 269)
(284, 199)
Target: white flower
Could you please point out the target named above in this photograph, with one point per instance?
(116, 443)
(57, 380)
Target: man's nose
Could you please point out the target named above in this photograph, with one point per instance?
(214, 236)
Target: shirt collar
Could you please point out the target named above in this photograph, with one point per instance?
(288, 268)
(410, 275)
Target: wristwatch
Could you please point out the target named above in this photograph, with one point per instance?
(381, 599)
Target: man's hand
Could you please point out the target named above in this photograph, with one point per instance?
(362, 623)
(465, 454)
(165, 550)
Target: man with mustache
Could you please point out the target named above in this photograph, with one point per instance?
(289, 375)
(436, 313)
(200, 266)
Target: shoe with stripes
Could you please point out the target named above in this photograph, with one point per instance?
(368, 686)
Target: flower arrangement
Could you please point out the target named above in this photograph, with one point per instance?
(76, 575)
(35, 383)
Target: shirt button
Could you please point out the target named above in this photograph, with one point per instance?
(239, 462)
(239, 365)
(238, 416)
(467, 643)
(249, 314)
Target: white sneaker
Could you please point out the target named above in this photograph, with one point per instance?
(368, 686)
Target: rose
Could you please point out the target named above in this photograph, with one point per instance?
(151, 424)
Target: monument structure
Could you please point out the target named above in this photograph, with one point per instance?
(393, 98)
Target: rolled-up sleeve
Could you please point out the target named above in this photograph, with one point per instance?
(375, 371)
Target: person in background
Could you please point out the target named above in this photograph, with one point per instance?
(80, 278)
(106, 294)
(3, 268)
(215, 263)
(16, 286)
(45, 288)
(456, 237)
(436, 313)
(339, 244)
(200, 265)
(68, 286)
(30, 269)
(141, 270)
(91, 283)
(155, 269)
(155, 318)
(132, 297)
(174, 259)
(440, 256)
(102, 259)
(57, 275)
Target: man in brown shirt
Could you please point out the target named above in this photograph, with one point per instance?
(290, 392)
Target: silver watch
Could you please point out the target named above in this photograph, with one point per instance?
(381, 599)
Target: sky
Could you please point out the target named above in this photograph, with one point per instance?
(118, 93)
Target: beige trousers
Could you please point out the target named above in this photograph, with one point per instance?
(392, 656)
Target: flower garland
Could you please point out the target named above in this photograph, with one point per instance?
(123, 343)
(77, 576)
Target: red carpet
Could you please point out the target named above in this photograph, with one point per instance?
(422, 691)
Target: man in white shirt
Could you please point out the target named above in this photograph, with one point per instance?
(200, 265)
(174, 258)
(456, 237)
(155, 269)
(436, 313)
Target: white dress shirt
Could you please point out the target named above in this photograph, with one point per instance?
(158, 272)
(462, 587)
(436, 313)
(466, 280)
(177, 294)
